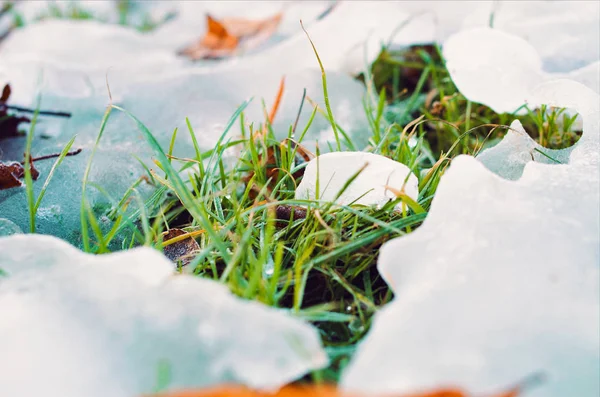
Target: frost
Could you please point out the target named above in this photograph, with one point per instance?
(83, 325)
(502, 279)
(334, 170)
(501, 70)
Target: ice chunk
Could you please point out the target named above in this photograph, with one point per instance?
(115, 325)
(509, 157)
(500, 70)
(333, 170)
(566, 34)
(493, 68)
(502, 279)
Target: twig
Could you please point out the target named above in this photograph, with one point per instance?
(54, 155)
(41, 112)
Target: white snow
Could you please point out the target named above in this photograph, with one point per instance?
(502, 279)
(331, 172)
(81, 325)
(500, 70)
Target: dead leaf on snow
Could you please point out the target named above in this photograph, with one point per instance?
(227, 36)
(11, 173)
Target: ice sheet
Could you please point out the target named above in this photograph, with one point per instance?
(500, 69)
(124, 324)
(502, 279)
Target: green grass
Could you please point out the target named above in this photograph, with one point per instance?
(321, 266)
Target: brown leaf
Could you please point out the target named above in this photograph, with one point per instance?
(180, 250)
(5, 93)
(225, 37)
(11, 173)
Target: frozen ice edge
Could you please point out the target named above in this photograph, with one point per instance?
(487, 298)
(76, 324)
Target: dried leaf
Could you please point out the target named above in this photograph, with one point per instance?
(313, 391)
(180, 250)
(8, 175)
(225, 37)
(11, 173)
(9, 124)
(271, 116)
(275, 106)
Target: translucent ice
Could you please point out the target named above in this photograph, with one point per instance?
(502, 279)
(371, 187)
(499, 69)
(8, 228)
(509, 157)
(123, 324)
(565, 34)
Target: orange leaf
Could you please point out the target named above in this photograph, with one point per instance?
(240, 391)
(298, 391)
(275, 107)
(316, 391)
(223, 38)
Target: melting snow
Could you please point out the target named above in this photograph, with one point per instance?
(502, 279)
(81, 325)
(509, 66)
(332, 171)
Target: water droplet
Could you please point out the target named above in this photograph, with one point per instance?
(356, 326)
(268, 269)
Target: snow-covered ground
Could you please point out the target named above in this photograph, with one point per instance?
(500, 282)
